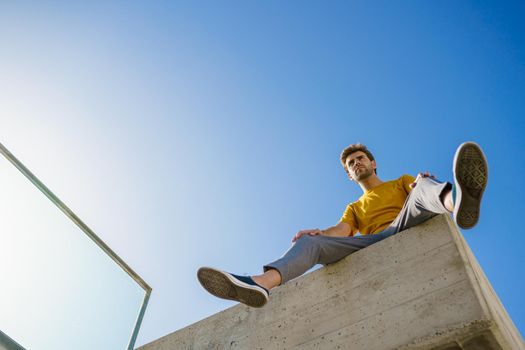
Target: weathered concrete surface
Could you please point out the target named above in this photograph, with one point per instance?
(420, 289)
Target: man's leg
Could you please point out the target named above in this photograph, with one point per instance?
(431, 197)
(305, 253)
(309, 251)
(423, 203)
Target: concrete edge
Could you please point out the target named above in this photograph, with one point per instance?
(489, 301)
(448, 335)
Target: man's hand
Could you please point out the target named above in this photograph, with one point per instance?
(342, 229)
(313, 232)
(419, 176)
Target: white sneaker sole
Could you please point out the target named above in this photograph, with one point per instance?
(470, 176)
(225, 286)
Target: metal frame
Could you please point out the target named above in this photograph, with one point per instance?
(90, 234)
(7, 343)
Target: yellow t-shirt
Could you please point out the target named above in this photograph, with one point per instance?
(378, 207)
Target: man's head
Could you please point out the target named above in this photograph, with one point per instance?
(358, 162)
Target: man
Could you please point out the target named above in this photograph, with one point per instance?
(384, 209)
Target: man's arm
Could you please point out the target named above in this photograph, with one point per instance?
(342, 229)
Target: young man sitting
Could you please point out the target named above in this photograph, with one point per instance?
(384, 209)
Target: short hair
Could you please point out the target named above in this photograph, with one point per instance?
(352, 149)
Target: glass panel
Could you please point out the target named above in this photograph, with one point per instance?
(62, 288)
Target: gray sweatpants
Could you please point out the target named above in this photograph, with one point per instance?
(422, 203)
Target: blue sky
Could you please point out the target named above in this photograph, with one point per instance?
(208, 133)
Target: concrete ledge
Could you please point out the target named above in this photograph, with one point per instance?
(420, 289)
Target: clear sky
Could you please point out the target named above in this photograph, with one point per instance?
(207, 133)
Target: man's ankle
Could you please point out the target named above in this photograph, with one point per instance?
(261, 282)
(447, 198)
(269, 279)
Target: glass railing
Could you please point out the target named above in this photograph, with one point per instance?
(61, 286)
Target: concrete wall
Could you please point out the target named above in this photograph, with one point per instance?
(420, 289)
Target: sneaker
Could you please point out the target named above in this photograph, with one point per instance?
(470, 176)
(232, 287)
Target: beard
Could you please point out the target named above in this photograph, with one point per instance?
(363, 174)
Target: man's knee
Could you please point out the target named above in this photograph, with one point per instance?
(308, 241)
(428, 181)
(423, 181)
(422, 188)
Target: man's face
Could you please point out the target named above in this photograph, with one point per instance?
(359, 166)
